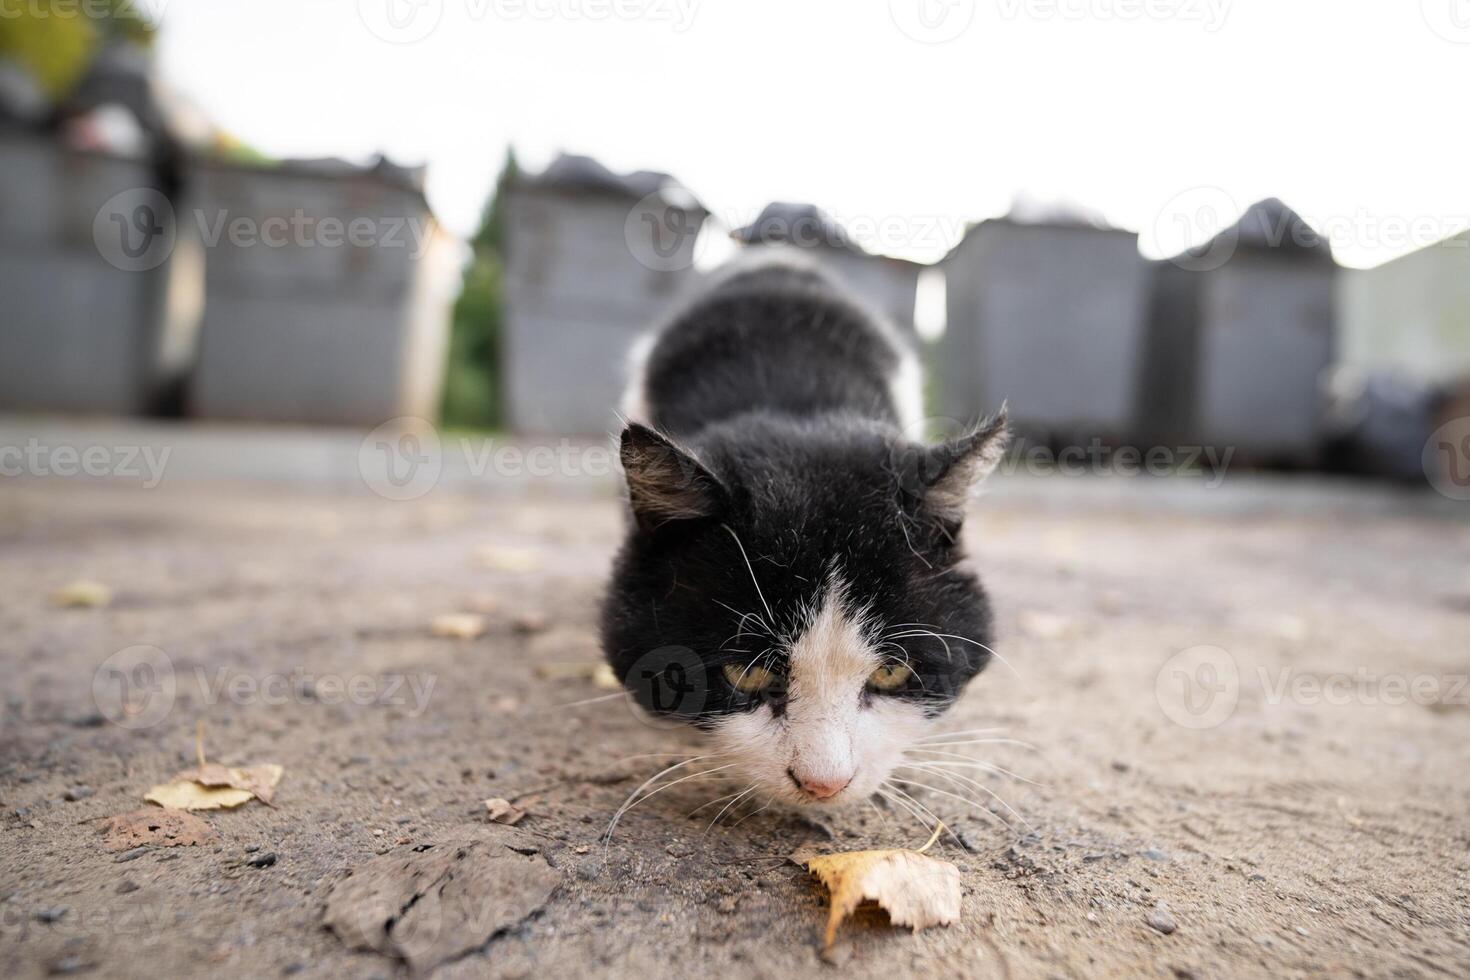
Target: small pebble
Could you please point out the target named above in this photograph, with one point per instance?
(126, 886)
(1161, 920)
(263, 860)
(54, 914)
(75, 793)
(1154, 854)
(251, 848)
(131, 855)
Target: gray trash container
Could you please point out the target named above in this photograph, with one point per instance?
(884, 283)
(307, 320)
(583, 282)
(1241, 339)
(1049, 317)
(82, 284)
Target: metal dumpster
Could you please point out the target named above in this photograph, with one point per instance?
(328, 290)
(582, 285)
(1049, 317)
(1240, 342)
(85, 249)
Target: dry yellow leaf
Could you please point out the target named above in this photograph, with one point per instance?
(458, 626)
(189, 795)
(503, 559)
(210, 786)
(259, 781)
(600, 674)
(82, 594)
(504, 811)
(914, 889)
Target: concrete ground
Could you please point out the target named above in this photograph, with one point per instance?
(1246, 713)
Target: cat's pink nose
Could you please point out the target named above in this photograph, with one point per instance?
(819, 787)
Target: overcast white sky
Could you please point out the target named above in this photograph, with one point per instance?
(1164, 115)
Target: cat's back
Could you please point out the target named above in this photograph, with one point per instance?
(774, 336)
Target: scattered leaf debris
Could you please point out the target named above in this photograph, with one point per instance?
(82, 594)
(504, 559)
(914, 889)
(432, 907)
(156, 827)
(459, 626)
(210, 786)
(600, 674)
(504, 811)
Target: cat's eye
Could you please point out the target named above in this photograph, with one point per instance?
(748, 680)
(889, 677)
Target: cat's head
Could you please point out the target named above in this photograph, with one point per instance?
(795, 591)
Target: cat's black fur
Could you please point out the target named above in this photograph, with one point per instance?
(775, 461)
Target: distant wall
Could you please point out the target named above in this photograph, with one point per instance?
(1411, 315)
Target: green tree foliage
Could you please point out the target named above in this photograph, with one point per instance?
(56, 40)
(472, 376)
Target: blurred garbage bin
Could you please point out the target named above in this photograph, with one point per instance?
(1050, 317)
(328, 290)
(593, 260)
(85, 246)
(884, 283)
(1240, 339)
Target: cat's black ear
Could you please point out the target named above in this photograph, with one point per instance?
(953, 469)
(666, 482)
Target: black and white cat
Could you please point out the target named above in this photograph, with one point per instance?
(791, 582)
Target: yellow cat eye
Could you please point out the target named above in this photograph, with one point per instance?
(748, 680)
(889, 677)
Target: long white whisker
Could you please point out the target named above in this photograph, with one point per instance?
(964, 762)
(955, 776)
(932, 815)
(749, 815)
(604, 697)
(967, 731)
(743, 795)
(629, 802)
(888, 794)
(751, 569)
(963, 799)
(928, 746)
(965, 639)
